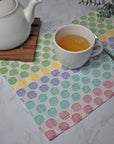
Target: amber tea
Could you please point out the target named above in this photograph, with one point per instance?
(73, 43)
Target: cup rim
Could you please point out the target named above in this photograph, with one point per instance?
(69, 25)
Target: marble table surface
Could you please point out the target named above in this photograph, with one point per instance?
(16, 124)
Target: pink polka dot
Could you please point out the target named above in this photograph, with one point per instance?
(63, 126)
(51, 123)
(98, 101)
(88, 109)
(41, 129)
(76, 107)
(76, 117)
(87, 98)
(50, 134)
(108, 84)
(64, 115)
(97, 91)
(109, 93)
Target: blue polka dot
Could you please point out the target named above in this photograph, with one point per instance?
(106, 66)
(107, 75)
(64, 104)
(76, 96)
(53, 101)
(33, 85)
(21, 92)
(55, 81)
(75, 77)
(75, 70)
(55, 73)
(65, 75)
(85, 80)
(52, 112)
(65, 68)
(65, 94)
(41, 108)
(31, 94)
(54, 91)
(96, 65)
(75, 86)
(65, 84)
(44, 79)
(30, 105)
(85, 71)
(86, 89)
(42, 98)
(39, 119)
(43, 88)
(96, 82)
(96, 73)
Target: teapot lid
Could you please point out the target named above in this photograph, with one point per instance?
(7, 7)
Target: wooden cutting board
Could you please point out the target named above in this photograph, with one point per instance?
(24, 52)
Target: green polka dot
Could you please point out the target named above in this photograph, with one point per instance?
(35, 68)
(85, 80)
(53, 50)
(91, 19)
(105, 58)
(108, 21)
(30, 105)
(95, 64)
(48, 36)
(92, 24)
(13, 72)
(40, 108)
(101, 31)
(96, 82)
(25, 66)
(91, 14)
(83, 17)
(52, 112)
(39, 119)
(75, 77)
(76, 96)
(24, 74)
(75, 21)
(46, 49)
(65, 84)
(54, 91)
(5, 62)
(42, 98)
(12, 80)
(107, 75)
(3, 70)
(39, 40)
(110, 27)
(84, 23)
(85, 71)
(54, 58)
(45, 63)
(14, 64)
(101, 25)
(38, 47)
(76, 87)
(86, 89)
(96, 73)
(93, 30)
(106, 66)
(64, 104)
(47, 42)
(37, 54)
(36, 61)
(46, 55)
(53, 101)
(65, 94)
(100, 20)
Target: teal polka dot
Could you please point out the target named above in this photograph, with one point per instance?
(42, 98)
(75, 21)
(105, 58)
(65, 84)
(54, 91)
(96, 82)
(30, 105)
(96, 73)
(64, 104)
(107, 75)
(76, 96)
(76, 87)
(75, 77)
(95, 64)
(52, 112)
(106, 66)
(86, 89)
(113, 68)
(85, 80)
(41, 108)
(53, 101)
(65, 94)
(85, 71)
(39, 119)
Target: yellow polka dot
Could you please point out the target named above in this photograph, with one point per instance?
(13, 87)
(110, 33)
(34, 77)
(22, 83)
(56, 64)
(45, 71)
(103, 37)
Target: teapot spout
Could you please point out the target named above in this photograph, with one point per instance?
(29, 10)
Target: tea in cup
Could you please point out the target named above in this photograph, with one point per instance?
(74, 44)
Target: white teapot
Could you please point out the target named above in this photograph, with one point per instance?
(15, 22)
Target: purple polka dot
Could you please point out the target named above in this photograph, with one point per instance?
(31, 94)
(55, 81)
(44, 79)
(65, 68)
(33, 85)
(44, 88)
(21, 92)
(112, 45)
(75, 70)
(111, 39)
(55, 73)
(105, 44)
(65, 75)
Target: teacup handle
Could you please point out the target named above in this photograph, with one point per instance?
(98, 48)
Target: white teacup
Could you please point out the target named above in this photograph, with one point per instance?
(76, 59)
